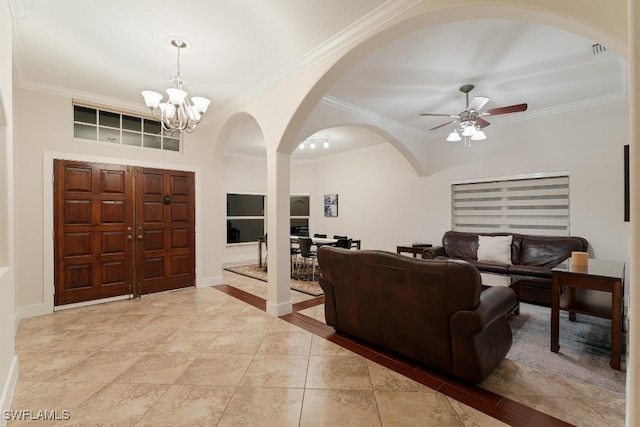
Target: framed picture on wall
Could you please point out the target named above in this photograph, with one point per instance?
(330, 205)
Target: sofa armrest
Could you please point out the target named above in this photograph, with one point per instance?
(481, 338)
(330, 312)
(433, 252)
(495, 302)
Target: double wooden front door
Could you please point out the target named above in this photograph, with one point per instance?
(121, 230)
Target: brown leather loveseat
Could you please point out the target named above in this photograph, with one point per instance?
(532, 258)
(432, 312)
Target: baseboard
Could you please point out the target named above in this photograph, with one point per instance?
(7, 391)
(279, 309)
(33, 310)
(205, 282)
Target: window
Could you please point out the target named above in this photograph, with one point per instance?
(246, 220)
(299, 213)
(115, 128)
(245, 217)
(528, 205)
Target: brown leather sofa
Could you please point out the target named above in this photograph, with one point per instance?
(532, 258)
(432, 312)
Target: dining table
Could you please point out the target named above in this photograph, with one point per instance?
(318, 241)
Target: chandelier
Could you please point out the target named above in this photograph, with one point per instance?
(178, 112)
(467, 127)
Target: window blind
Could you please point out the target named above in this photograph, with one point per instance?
(537, 206)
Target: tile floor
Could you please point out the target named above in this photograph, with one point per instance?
(200, 357)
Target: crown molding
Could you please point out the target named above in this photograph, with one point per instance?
(379, 16)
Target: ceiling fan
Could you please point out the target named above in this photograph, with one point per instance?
(469, 123)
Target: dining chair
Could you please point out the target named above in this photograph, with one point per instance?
(324, 236)
(335, 236)
(306, 253)
(344, 243)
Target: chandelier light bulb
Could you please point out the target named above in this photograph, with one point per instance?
(326, 144)
(301, 146)
(312, 145)
(178, 112)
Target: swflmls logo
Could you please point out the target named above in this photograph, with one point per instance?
(42, 415)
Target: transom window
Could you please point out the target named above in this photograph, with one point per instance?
(96, 124)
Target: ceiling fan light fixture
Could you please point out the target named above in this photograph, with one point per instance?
(470, 130)
(301, 146)
(479, 135)
(454, 136)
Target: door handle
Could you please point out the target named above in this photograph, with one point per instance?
(129, 237)
(139, 236)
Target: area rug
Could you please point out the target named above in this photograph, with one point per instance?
(302, 282)
(584, 347)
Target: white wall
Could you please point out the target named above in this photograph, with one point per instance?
(383, 203)
(43, 131)
(8, 359)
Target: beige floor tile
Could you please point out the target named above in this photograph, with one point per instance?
(338, 372)
(472, 417)
(275, 370)
(48, 365)
(580, 412)
(117, 405)
(236, 342)
(157, 368)
(258, 406)
(102, 366)
(339, 407)
(398, 408)
(384, 379)
(186, 341)
(322, 347)
(143, 340)
(250, 322)
(286, 343)
(188, 406)
(216, 369)
(53, 396)
(170, 321)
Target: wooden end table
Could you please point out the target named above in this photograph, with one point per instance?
(415, 250)
(579, 297)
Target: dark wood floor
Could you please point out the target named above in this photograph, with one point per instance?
(499, 407)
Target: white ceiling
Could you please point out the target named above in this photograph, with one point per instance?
(110, 50)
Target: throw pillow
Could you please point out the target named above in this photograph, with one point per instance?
(495, 249)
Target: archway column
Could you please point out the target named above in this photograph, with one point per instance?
(278, 241)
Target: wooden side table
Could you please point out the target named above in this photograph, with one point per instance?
(580, 281)
(415, 250)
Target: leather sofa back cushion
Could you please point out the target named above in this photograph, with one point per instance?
(464, 245)
(548, 251)
(460, 245)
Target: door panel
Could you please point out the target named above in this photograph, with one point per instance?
(165, 230)
(121, 226)
(93, 216)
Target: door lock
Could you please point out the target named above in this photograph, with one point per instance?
(129, 237)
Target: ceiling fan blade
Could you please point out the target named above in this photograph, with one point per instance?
(482, 123)
(442, 125)
(504, 110)
(477, 103)
(439, 115)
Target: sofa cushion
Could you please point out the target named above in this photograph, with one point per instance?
(460, 245)
(549, 251)
(494, 249)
